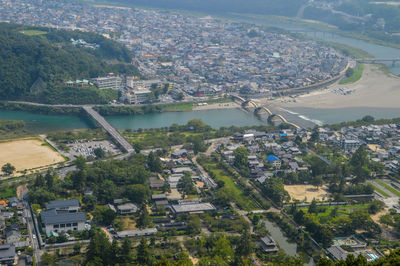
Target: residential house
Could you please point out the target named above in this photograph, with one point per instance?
(268, 245)
(156, 184)
(69, 205)
(275, 161)
(183, 153)
(127, 208)
(192, 208)
(12, 234)
(137, 233)
(13, 202)
(7, 254)
(61, 221)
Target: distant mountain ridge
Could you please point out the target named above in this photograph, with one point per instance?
(35, 62)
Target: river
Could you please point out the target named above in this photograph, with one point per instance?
(40, 123)
(376, 50)
(289, 247)
(228, 117)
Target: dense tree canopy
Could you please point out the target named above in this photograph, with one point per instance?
(36, 67)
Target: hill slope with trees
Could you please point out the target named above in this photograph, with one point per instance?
(35, 66)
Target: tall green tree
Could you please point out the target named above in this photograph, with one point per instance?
(185, 184)
(49, 177)
(99, 153)
(80, 162)
(8, 169)
(144, 219)
(126, 252)
(98, 250)
(143, 253)
(138, 193)
(244, 247)
(154, 163)
(241, 158)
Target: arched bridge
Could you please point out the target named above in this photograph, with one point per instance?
(260, 109)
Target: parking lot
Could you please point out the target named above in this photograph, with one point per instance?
(87, 148)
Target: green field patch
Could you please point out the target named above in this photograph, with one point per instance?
(380, 191)
(231, 188)
(391, 189)
(177, 107)
(357, 74)
(343, 210)
(6, 193)
(33, 32)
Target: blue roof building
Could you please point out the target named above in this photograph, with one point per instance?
(272, 158)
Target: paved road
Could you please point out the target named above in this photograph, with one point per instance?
(319, 156)
(110, 129)
(30, 227)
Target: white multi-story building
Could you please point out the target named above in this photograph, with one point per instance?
(109, 82)
(137, 97)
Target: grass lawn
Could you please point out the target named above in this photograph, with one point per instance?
(126, 223)
(33, 32)
(357, 74)
(394, 191)
(6, 193)
(232, 189)
(177, 107)
(343, 210)
(380, 191)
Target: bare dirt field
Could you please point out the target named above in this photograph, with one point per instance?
(27, 154)
(306, 193)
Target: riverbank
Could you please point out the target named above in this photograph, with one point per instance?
(374, 89)
(39, 108)
(216, 106)
(315, 25)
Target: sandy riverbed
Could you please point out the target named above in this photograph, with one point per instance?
(374, 89)
(27, 154)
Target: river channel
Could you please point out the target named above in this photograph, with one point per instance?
(40, 123)
(378, 51)
(229, 117)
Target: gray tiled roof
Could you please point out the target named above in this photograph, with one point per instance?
(193, 207)
(53, 217)
(7, 251)
(62, 203)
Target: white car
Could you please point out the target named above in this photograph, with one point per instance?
(34, 236)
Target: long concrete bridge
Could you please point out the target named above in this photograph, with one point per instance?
(258, 110)
(109, 128)
(377, 60)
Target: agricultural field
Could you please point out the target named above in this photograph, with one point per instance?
(26, 154)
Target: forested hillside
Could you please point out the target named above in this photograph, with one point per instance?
(46, 58)
(267, 7)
